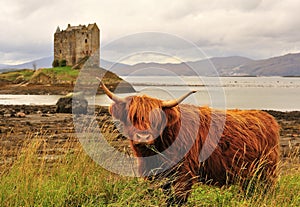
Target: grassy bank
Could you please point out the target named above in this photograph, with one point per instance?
(62, 73)
(25, 75)
(73, 179)
(13, 75)
(57, 81)
(56, 74)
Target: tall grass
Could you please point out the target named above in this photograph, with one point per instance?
(73, 179)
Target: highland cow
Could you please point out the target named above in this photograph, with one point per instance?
(171, 140)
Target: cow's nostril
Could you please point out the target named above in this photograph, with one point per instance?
(143, 136)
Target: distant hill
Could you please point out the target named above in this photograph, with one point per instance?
(45, 62)
(224, 66)
(286, 65)
(208, 67)
(3, 66)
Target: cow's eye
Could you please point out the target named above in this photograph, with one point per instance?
(134, 119)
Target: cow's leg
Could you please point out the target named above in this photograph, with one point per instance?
(166, 187)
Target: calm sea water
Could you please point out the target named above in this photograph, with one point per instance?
(275, 93)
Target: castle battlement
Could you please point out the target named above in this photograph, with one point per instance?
(76, 43)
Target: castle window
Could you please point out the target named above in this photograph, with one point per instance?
(60, 51)
(85, 41)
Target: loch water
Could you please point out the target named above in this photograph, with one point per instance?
(273, 93)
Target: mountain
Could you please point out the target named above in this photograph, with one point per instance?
(3, 66)
(223, 65)
(208, 67)
(286, 65)
(45, 62)
(107, 64)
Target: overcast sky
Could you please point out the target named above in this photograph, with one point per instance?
(252, 28)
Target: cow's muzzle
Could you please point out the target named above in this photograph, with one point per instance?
(143, 138)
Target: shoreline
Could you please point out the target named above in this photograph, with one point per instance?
(30, 108)
(4, 101)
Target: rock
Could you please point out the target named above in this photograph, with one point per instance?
(75, 104)
(19, 79)
(20, 115)
(7, 115)
(39, 77)
(45, 115)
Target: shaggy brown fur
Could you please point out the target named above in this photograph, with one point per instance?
(249, 143)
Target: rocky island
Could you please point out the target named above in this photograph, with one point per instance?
(55, 81)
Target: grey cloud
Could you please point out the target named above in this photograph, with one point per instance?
(254, 28)
(243, 5)
(24, 9)
(186, 8)
(150, 43)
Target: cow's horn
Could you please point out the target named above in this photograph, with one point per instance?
(110, 94)
(175, 102)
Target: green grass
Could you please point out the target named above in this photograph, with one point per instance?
(12, 76)
(76, 180)
(73, 180)
(62, 71)
(59, 74)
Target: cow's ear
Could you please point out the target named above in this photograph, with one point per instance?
(117, 110)
(172, 114)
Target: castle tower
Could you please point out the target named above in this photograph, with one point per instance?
(77, 43)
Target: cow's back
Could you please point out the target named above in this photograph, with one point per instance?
(249, 145)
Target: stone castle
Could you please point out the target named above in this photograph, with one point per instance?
(77, 43)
